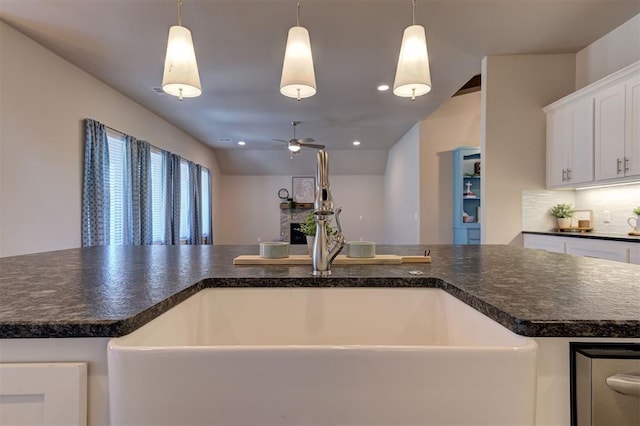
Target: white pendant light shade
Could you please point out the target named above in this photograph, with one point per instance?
(298, 76)
(181, 76)
(413, 77)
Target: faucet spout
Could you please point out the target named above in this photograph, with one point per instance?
(326, 246)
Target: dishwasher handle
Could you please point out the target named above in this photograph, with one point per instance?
(625, 383)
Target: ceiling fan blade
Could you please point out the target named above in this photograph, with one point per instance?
(305, 140)
(280, 140)
(312, 145)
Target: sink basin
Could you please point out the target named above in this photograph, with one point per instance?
(322, 356)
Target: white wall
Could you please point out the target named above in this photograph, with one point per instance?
(514, 90)
(43, 101)
(402, 190)
(249, 207)
(610, 53)
(455, 123)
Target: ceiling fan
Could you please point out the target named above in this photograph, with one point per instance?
(294, 144)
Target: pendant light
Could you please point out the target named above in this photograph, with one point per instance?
(298, 77)
(413, 77)
(181, 76)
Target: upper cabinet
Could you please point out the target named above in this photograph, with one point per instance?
(570, 143)
(593, 135)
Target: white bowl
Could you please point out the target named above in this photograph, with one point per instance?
(274, 250)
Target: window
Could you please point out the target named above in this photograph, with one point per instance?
(206, 205)
(117, 166)
(116, 186)
(157, 196)
(184, 201)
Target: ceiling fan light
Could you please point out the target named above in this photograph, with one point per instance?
(181, 77)
(298, 76)
(413, 77)
(294, 147)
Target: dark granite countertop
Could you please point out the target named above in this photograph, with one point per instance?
(590, 235)
(111, 291)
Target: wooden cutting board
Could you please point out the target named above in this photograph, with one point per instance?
(303, 259)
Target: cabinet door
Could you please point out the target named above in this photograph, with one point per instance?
(542, 242)
(580, 167)
(610, 133)
(632, 141)
(43, 394)
(609, 250)
(558, 136)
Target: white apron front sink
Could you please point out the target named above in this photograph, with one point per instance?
(322, 356)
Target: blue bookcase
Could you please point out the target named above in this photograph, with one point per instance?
(466, 195)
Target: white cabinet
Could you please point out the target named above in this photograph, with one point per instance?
(617, 131)
(610, 250)
(43, 394)
(570, 143)
(609, 133)
(543, 242)
(593, 135)
(619, 251)
(632, 140)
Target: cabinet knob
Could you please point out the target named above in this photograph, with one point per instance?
(568, 175)
(618, 165)
(626, 164)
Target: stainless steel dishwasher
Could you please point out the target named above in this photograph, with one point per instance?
(605, 384)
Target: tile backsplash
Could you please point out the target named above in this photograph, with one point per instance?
(619, 201)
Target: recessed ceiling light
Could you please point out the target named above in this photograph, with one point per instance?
(242, 143)
(356, 143)
(383, 87)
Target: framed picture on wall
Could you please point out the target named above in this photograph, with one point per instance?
(303, 189)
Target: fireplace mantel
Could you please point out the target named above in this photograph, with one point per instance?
(292, 213)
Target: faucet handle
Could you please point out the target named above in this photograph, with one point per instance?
(337, 216)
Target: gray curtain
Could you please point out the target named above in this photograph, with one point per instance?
(171, 193)
(195, 203)
(136, 223)
(95, 185)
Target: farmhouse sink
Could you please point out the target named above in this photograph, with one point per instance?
(322, 356)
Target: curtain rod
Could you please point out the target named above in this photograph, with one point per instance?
(125, 134)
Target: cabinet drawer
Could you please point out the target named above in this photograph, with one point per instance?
(599, 249)
(474, 234)
(541, 242)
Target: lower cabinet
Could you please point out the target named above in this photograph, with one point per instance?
(619, 251)
(43, 393)
(610, 250)
(543, 242)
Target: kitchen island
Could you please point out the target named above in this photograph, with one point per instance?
(111, 291)
(78, 298)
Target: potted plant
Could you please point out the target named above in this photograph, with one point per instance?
(308, 228)
(563, 213)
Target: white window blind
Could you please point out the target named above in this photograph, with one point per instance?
(116, 186)
(157, 198)
(184, 201)
(206, 204)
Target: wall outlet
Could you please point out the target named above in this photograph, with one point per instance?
(606, 216)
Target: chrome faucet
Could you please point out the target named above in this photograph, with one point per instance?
(325, 247)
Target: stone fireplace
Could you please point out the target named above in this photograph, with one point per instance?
(290, 220)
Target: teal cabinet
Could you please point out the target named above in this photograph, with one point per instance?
(467, 195)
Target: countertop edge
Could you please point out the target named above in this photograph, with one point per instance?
(527, 328)
(587, 235)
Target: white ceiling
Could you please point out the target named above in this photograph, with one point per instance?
(240, 45)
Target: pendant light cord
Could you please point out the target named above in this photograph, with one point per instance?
(180, 12)
(414, 12)
(298, 13)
